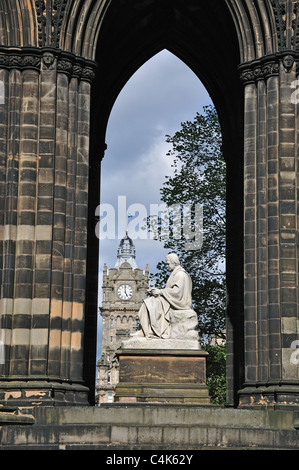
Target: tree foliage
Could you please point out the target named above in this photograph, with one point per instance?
(199, 177)
(216, 373)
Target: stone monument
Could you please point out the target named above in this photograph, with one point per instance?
(163, 361)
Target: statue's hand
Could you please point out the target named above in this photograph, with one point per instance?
(155, 292)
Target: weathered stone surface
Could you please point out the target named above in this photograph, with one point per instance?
(162, 369)
(160, 344)
(52, 137)
(184, 325)
(153, 427)
(162, 376)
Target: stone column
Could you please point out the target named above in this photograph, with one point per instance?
(44, 170)
(271, 225)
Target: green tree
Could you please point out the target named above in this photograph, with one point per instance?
(200, 178)
(216, 373)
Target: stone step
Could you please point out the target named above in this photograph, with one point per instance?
(13, 415)
(136, 427)
(145, 437)
(160, 414)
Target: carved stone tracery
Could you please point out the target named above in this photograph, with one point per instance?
(258, 71)
(287, 24)
(16, 59)
(56, 15)
(70, 65)
(279, 9)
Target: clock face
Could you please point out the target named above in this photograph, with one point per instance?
(125, 292)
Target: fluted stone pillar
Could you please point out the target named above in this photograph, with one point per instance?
(44, 170)
(270, 238)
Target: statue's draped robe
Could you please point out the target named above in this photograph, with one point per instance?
(154, 314)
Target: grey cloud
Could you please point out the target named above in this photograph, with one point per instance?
(161, 95)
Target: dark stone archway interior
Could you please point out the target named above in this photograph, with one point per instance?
(202, 35)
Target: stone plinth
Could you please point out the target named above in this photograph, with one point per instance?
(174, 374)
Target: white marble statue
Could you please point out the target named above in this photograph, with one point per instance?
(167, 314)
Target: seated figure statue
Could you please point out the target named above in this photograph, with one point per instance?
(168, 313)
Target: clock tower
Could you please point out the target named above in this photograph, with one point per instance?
(124, 288)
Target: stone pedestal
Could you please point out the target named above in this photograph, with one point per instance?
(149, 373)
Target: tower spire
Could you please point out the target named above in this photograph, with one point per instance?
(126, 252)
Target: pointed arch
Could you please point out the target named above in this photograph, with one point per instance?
(18, 24)
(256, 28)
(28, 23)
(254, 20)
(128, 34)
(212, 38)
(79, 24)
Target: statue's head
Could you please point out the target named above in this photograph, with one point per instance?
(48, 59)
(172, 261)
(288, 62)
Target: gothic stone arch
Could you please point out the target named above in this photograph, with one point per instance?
(62, 65)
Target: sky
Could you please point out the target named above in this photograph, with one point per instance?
(161, 95)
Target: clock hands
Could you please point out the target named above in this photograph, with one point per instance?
(125, 291)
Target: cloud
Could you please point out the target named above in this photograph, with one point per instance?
(161, 94)
(139, 179)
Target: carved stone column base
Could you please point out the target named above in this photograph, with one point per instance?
(162, 376)
(276, 395)
(42, 393)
